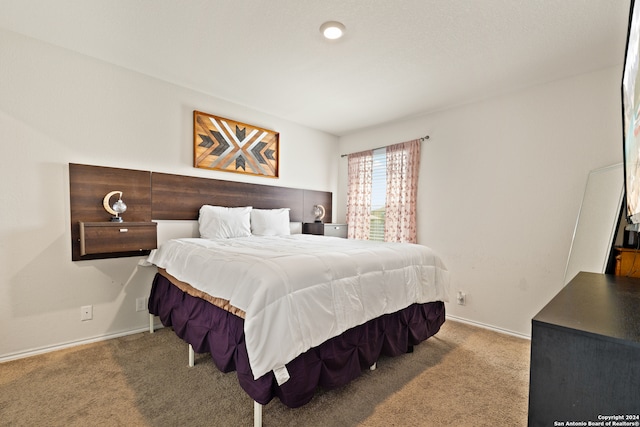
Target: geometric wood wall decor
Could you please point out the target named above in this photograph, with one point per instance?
(232, 146)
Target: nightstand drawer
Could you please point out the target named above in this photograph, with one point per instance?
(113, 237)
(335, 230)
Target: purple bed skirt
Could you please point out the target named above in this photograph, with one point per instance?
(210, 329)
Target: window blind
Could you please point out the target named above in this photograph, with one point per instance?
(378, 194)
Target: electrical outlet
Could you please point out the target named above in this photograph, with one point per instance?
(86, 312)
(461, 298)
(141, 304)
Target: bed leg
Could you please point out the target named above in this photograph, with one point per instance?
(257, 414)
(192, 356)
(151, 329)
(373, 367)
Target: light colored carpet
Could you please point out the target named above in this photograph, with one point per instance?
(464, 376)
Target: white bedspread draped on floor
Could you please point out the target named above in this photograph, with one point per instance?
(298, 291)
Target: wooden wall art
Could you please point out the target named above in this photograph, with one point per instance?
(232, 146)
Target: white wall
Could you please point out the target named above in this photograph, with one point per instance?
(58, 107)
(501, 182)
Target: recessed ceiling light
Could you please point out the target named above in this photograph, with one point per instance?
(332, 30)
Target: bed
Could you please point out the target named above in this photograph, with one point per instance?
(215, 322)
(291, 312)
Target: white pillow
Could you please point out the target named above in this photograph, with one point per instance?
(270, 222)
(218, 222)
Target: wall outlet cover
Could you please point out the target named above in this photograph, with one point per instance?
(86, 312)
(141, 304)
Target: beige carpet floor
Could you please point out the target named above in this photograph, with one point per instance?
(464, 376)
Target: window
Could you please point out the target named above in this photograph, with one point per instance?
(378, 194)
(382, 193)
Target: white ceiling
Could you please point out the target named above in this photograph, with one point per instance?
(399, 58)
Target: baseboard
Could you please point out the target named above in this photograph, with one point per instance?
(43, 350)
(490, 327)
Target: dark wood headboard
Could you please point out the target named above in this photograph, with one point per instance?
(180, 197)
(160, 196)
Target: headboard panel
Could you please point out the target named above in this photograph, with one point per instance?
(161, 196)
(179, 197)
(88, 186)
(312, 198)
(194, 192)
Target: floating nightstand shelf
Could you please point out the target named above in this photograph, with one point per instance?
(324, 229)
(109, 237)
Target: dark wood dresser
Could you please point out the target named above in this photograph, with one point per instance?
(585, 353)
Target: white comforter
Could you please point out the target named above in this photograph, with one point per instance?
(298, 291)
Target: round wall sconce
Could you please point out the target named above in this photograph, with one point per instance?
(318, 212)
(117, 209)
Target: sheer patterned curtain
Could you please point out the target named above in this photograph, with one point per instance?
(359, 194)
(403, 164)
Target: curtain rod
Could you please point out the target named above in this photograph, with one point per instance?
(424, 138)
